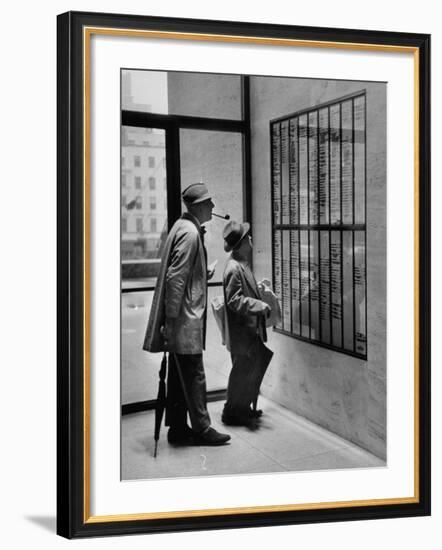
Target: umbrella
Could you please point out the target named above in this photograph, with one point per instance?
(161, 401)
(263, 361)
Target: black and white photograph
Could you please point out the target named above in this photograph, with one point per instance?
(253, 239)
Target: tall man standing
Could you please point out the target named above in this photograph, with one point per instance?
(177, 322)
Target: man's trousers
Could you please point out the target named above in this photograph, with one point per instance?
(245, 378)
(186, 393)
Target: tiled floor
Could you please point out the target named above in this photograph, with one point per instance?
(282, 442)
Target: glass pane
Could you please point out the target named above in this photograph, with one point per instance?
(216, 159)
(286, 294)
(165, 92)
(285, 184)
(139, 369)
(335, 164)
(294, 175)
(221, 98)
(325, 286)
(303, 170)
(313, 166)
(336, 282)
(143, 204)
(295, 269)
(347, 267)
(324, 203)
(276, 172)
(277, 267)
(314, 285)
(144, 91)
(359, 158)
(305, 285)
(347, 161)
(360, 293)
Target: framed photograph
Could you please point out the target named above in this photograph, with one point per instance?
(243, 274)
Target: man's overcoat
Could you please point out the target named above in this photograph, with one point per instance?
(180, 297)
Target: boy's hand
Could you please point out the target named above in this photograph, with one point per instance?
(211, 269)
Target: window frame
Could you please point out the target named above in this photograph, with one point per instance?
(172, 124)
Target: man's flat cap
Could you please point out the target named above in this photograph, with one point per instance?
(195, 193)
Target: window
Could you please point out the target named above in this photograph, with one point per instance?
(137, 182)
(139, 225)
(151, 162)
(319, 231)
(137, 160)
(123, 180)
(124, 225)
(124, 200)
(153, 203)
(151, 183)
(153, 225)
(139, 203)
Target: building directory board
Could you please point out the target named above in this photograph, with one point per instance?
(318, 223)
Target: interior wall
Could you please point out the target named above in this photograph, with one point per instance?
(344, 394)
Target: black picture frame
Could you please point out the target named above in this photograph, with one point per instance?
(73, 517)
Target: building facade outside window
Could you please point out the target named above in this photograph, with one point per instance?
(139, 225)
(153, 225)
(137, 160)
(153, 203)
(151, 162)
(137, 182)
(152, 183)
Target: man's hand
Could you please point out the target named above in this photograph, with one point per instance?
(167, 331)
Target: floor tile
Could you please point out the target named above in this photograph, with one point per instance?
(283, 442)
(339, 459)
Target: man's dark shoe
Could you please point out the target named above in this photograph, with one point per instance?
(237, 419)
(180, 436)
(211, 437)
(255, 413)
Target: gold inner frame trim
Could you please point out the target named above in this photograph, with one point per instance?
(87, 34)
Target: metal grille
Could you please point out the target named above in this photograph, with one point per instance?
(318, 176)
